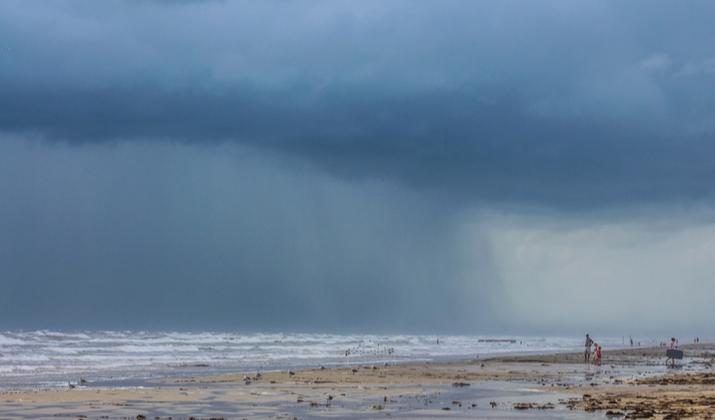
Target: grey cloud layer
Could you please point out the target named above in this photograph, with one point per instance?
(344, 165)
(560, 104)
(164, 236)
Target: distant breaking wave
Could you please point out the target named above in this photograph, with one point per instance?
(53, 358)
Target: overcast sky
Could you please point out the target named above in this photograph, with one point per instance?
(453, 166)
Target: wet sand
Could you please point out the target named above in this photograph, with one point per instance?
(630, 383)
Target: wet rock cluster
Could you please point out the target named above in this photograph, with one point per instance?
(686, 379)
(646, 406)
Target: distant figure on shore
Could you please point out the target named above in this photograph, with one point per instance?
(673, 353)
(587, 353)
(597, 354)
(673, 343)
(593, 355)
(631, 340)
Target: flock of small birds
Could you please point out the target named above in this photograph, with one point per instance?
(369, 349)
(81, 381)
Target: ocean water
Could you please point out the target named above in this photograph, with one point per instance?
(38, 359)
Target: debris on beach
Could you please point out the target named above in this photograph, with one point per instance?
(533, 406)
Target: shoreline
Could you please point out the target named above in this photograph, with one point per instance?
(205, 370)
(123, 378)
(50, 359)
(551, 385)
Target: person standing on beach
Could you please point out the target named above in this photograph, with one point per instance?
(673, 343)
(587, 353)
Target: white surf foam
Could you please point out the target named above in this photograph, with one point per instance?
(41, 357)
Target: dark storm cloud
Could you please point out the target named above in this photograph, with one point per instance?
(347, 165)
(159, 235)
(560, 104)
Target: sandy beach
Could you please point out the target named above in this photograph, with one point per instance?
(630, 383)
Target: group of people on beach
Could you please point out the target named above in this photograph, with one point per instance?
(596, 351)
